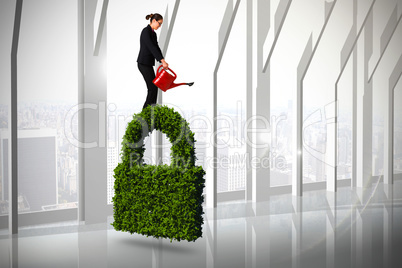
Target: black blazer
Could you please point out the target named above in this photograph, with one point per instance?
(149, 48)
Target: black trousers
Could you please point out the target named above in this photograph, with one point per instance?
(148, 73)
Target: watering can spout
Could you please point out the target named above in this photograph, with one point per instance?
(180, 84)
(164, 79)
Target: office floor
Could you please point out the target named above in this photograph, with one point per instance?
(351, 228)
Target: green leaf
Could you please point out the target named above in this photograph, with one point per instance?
(160, 201)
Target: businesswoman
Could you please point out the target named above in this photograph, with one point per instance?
(149, 51)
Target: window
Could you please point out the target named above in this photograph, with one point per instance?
(47, 91)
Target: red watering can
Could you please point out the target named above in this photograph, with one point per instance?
(164, 79)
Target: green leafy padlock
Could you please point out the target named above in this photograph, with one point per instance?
(159, 200)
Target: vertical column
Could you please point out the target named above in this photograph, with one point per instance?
(297, 117)
(94, 116)
(364, 107)
(13, 126)
(81, 99)
(249, 113)
(261, 122)
(254, 90)
(331, 155)
(212, 183)
(353, 182)
(13, 141)
(389, 136)
(389, 124)
(251, 21)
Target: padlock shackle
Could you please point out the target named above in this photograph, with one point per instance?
(166, 120)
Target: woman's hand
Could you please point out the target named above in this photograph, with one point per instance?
(164, 64)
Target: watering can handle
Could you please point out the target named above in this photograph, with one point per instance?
(160, 70)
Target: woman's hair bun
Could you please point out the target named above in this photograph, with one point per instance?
(155, 16)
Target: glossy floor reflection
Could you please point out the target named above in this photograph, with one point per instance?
(352, 228)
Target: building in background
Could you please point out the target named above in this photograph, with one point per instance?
(37, 168)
